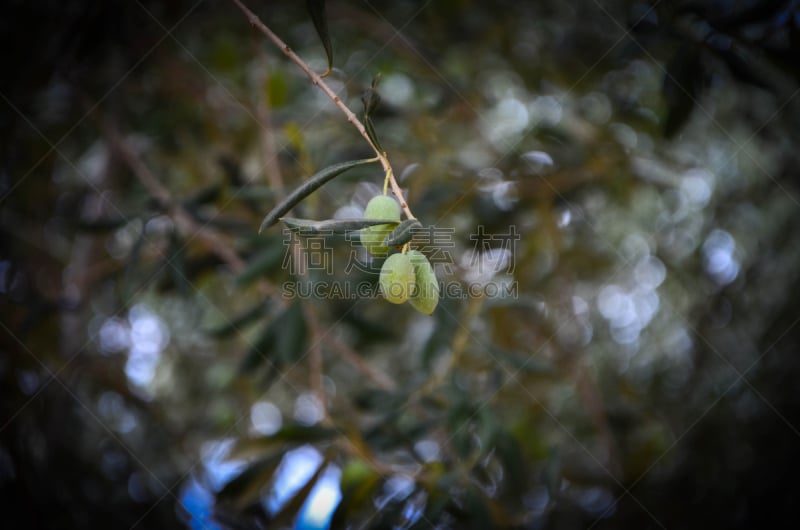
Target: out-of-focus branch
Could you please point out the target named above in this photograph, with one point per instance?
(459, 344)
(263, 111)
(353, 358)
(592, 399)
(184, 221)
(319, 82)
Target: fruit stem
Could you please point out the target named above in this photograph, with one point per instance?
(386, 181)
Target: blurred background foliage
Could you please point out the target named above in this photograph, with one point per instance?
(634, 360)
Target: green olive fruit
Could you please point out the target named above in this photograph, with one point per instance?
(425, 295)
(379, 207)
(397, 278)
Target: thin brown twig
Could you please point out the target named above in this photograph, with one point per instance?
(186, 224)
(315, 359)
(315, 362)
(319, 82)
(592, 398)
(354, 359)
(459, 345)
(263, 111)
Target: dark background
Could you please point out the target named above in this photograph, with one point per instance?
(644, 375)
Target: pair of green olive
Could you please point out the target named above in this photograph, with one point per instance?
(406, 276)
(410, 277)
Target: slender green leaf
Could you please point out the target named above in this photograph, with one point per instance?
(226, 224)
(371, 99)
(260, 349)
(203, 196)
(134, 256)
(238, 322)
(403, 233)
(303, 433)
(377, 400)
(262, 262)
(358, 484)
(511, 457)
(308, 187)
(371, 132)
(102, 225)
(390, 515)
(277, 88)
(437, 501)
(443, 332)
(292, 508)
(331, 226)
(246, 487)
(257, 193)
(682, 85)
(176, 263)
(551, 474)
(478, 511)
(525, 362)
(316, 8)
(292, 336)
(281, 341)
(284, 439)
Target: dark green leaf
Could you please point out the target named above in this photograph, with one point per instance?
(292, 508)
(303, 433)
(264, 261)
(436, 503)
(255, 193)
(281, 341)
(133, 262)
(292, 336)
(246, 487)
(102, 225)
(744, 69)
(277, 89)
(378, 400)
(371, 99)
(510, 455)
(477, 508)
(331, 226)
(371, 132)
(443, 332)
(176, 262)
(390, 515)
(551, 474)
(368, 327)
(286, 438)
(403, 233)
(682, 84)
(316, 8)
(525, 362)
(282, 440)
(309, 187)
(358, 484)
(204, 196)
(260, 349)
(238, 322)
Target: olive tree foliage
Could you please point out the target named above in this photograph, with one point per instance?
(521, 265)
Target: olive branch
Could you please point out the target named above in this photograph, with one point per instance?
(318, 81)
(407, 276)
